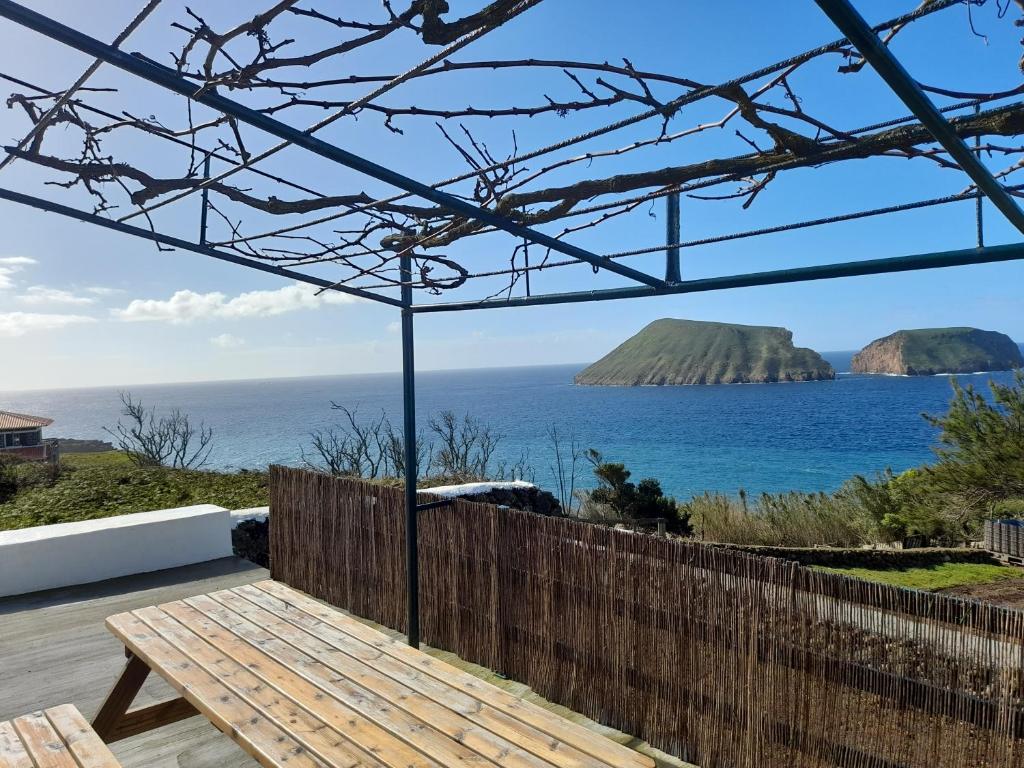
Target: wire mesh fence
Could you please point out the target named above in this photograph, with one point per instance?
(722, 658)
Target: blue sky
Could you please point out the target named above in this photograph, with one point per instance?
(81, 307)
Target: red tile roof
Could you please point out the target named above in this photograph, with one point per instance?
(9, 420)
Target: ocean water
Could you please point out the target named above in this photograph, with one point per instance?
(761, 437)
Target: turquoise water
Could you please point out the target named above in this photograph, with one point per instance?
(774, 437)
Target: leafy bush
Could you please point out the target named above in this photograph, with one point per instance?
(1008, 509)
(618, 498)
(981, 456)
(39, 474)
(17, 475)
(8, 478)
(978, 472)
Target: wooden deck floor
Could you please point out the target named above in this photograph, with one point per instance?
(54, 649)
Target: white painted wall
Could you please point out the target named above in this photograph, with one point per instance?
(60, 555)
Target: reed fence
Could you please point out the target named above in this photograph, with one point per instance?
(723, 658)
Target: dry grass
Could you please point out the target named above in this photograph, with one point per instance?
(781, 520)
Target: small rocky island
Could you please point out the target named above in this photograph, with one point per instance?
(677, 352)
(930, 351)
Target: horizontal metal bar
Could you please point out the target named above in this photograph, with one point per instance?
(433, 504)
(185, 245)
(852, 24)
(171, 80)
(936, 260)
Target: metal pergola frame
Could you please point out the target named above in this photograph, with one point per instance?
(842, 14)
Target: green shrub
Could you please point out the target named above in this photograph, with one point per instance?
(1009, 509)
(39, 474)
(981, 452)
(8, 479)
(616, 497)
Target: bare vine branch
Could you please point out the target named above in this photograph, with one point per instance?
(767, 127)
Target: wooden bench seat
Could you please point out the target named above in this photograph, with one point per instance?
(55, 738)
(296, 683)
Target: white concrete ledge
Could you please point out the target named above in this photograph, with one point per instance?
(49, 556)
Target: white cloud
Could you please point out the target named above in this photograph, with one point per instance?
(9, 265)
(20, 323)
(101, 290)
(187, 306)
(40, 294)
(227, 341)
(394, 327)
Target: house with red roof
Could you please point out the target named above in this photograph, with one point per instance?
(21, 435)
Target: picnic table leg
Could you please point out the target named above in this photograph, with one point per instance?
(120, 698)
(114, 721)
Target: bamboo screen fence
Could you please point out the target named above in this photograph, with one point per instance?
(725, 659)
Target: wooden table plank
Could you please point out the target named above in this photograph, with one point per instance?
(558, 727)
(82, 741)
(328, 693)
(279, 695)
(241, 677)
(265, 741)
(451, 739)
(12, 751)
(42, 742)
(400, 682)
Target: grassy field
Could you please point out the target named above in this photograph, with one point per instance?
(935, 577)
(92, 485)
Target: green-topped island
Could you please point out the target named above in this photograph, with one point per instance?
(680, 352)
(930, 351)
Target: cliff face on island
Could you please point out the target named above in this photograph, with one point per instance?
(677, 352)
(928, 351)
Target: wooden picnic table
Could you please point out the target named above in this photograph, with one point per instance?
(297, 683)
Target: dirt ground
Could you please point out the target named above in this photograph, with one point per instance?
(1009, 592)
